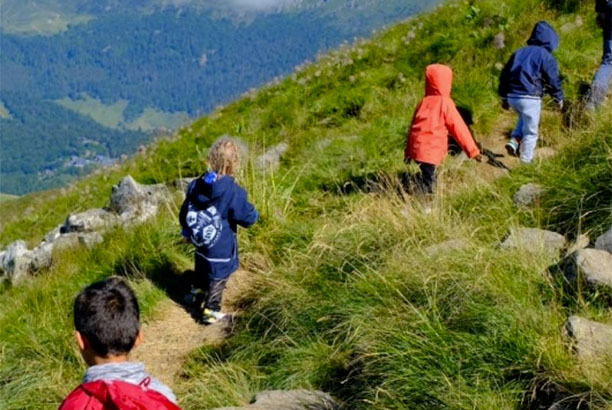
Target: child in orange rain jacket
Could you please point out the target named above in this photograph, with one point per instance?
(435, 118)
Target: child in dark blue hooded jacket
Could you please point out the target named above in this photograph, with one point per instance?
(530, 72)
(214, 207)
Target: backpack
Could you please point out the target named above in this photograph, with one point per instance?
(205, 225)
(116, 395)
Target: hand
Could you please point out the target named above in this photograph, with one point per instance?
(479, 158)
(505, 105)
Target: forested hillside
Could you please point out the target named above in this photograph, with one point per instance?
(349, 284)
(166, 62)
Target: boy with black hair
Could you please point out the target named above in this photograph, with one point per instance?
(107, 323)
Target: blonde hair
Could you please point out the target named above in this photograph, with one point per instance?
(224, 156)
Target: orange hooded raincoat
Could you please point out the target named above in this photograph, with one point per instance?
(436, 117)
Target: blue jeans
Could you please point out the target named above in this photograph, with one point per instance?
(601, 82)
(528, 126)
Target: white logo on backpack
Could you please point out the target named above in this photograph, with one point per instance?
(205, 226)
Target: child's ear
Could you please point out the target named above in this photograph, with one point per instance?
(81, 340)
(139, 339)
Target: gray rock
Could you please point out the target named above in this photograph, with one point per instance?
(271, 158)
(75, 239)
(54, 234)
(290, 400)
(135, 202)
(90, 220)
(16, 261)
(500, 40)
(592, 265)
(591, 339)
(447, 246)
(42, 257)
(604, 242)
(534, 240)
(528, 195)
(581, 242)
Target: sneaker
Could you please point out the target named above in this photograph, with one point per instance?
(212, 316)
(512, 147)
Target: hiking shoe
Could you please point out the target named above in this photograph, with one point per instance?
(194, 297)
(212, 316)
(512, 147)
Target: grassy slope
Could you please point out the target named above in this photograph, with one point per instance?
(348, 300)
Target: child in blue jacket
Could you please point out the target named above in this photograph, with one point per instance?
(530, 72)
(214, 207)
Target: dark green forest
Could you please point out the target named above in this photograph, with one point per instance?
(172, 59)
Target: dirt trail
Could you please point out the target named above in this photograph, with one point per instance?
(172, 332)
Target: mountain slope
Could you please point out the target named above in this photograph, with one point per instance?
(348, 297)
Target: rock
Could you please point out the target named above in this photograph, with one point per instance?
(16, 261)
(54, 234)
(271, 158)
(182, 184)
(592, 339)
(581, 242)
(135, 202)
(567, 27)
(447, 246)
(500, 40)
(91, 220)
(533, 239)
(592, 265)
(528, 195)
(75, 239)
(290, 400)
(604, 242)
(42, 257)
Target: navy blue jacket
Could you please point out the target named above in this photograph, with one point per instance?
(210, 215)
(532, 70)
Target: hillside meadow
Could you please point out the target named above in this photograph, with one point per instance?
(347, 297)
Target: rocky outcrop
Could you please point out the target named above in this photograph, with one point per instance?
(590, 339)
(594, 266)
(134, 202)
(528, 195)
(604, 242)
(16, 261)
(535, 240)
(290, 400)
(272, 157)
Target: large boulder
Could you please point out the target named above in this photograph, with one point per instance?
(91, 220)
(16, 261)
(592, 265)
(42, 257)
(76, 239)
(591, 339)
(528, 195)
(272, 157)
(534, 240)
(290, 400)
(135, 202)
(604, 242)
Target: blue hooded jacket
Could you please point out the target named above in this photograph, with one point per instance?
(213, 209)
(533, 70)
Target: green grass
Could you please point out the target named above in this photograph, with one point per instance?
(347, 298)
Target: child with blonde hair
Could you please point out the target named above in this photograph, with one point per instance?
(214, 207)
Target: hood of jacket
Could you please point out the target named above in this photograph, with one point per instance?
(130, 372)
(544, 35)
(438, 80)
(210, 187)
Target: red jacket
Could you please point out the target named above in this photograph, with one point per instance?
(116, 395)
(436, 117)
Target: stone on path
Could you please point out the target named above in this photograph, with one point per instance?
(604, 242)
(534, 240)
(528, 195)
(271, 158)
(591, 339)
(290, 400)
(593, 265)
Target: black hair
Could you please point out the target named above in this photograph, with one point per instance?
(107, 314)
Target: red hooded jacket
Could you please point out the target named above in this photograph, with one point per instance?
(436, 117)
(116, 395)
